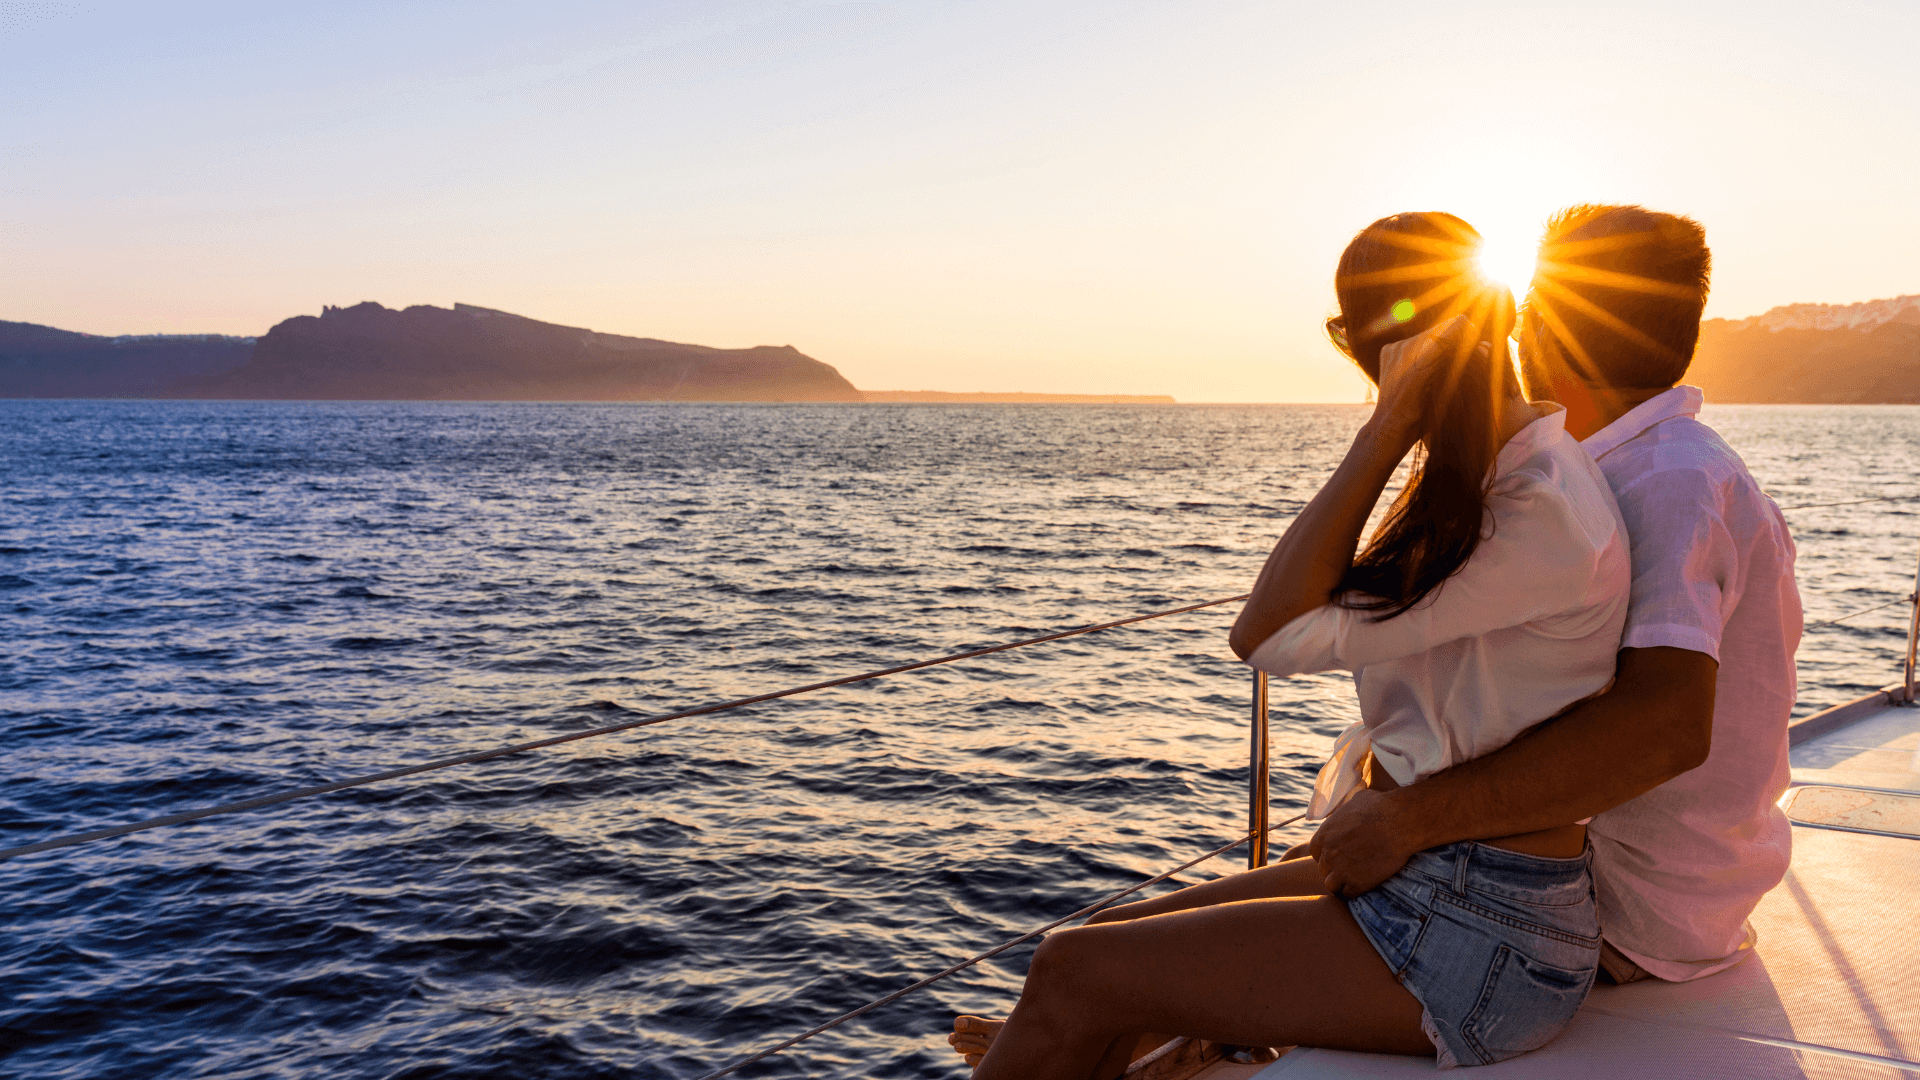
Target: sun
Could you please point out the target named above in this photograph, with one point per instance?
(1509, 261)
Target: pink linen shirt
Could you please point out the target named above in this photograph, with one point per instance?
(1529, 625)
(1678, 869)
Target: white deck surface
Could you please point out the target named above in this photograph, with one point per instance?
(1879, 751)
(1833, 989)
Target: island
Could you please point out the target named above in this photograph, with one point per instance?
(469, 353)
(369, 352)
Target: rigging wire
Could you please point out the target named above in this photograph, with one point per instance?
(1856, 502)
(1862, 611)
(1853, 502)
(990, 953)
(502, 751)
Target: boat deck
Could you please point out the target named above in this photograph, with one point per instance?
(1830, 991)
(1877, 747)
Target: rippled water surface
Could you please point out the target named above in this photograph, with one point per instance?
(205, 602)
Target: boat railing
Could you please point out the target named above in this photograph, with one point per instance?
(1259, 803)
(1913, 633)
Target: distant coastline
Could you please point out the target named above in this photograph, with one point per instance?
(947, 397)
(1813, 354)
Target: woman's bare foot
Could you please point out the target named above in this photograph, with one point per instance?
(972, 1035)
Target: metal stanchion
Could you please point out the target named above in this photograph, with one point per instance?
(1913, 634)
(1257, 774)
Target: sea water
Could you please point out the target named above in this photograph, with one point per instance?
(205, 602)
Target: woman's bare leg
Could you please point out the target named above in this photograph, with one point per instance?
(973, 1035)
(1269, 972)
(1294, 878)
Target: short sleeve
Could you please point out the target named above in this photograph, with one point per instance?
(1538, 561)
(1686, 563)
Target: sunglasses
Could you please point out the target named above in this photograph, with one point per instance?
(1337, 333)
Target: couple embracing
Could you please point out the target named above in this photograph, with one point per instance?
(1572, 638)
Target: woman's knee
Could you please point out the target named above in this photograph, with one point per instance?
(1063, 962)
(1066, 988)
(1051, 959)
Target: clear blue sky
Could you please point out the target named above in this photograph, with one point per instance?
(1114, 197)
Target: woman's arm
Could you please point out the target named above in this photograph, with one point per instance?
(1317, 549)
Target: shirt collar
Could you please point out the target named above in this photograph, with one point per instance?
(1530, 438)
(1679, 401)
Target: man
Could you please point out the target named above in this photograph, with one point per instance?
(1679, 762)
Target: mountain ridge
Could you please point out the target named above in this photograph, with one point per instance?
(1864, 315)
(471, 353)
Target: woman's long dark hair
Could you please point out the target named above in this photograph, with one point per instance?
(1402, 275)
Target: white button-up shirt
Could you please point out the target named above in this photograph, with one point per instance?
(1678, 870)
(1529, 625)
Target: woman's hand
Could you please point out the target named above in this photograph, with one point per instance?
(1313, 555)
(1407, 369)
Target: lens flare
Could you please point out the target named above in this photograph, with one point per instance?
(1403, 311)
(1507, 261)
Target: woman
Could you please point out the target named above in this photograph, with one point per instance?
(1491, 597)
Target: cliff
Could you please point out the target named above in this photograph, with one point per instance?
(369, 352)
(1851, 354)
(42, 362)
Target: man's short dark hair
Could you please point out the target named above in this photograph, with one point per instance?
(1621, 289)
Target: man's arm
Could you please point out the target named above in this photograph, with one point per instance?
(1653, 724)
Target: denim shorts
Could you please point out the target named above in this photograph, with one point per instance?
(1500, 948)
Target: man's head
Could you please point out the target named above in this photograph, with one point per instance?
(1614, 310)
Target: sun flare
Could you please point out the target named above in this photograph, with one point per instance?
(1509, 261)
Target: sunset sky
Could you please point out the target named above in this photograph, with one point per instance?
(1114, 197)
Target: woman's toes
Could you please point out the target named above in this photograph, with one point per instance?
(978, 1025)
(973, 1036)
(975, 1059)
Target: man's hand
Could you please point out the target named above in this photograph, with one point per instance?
(1655, 723)
(1363, 843)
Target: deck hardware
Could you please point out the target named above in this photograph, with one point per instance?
(1913, 633)
(1257, 800)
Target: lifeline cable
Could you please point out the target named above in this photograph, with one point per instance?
(1853, 502)
(1862, 611)
(468, 759)
(995, 951)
